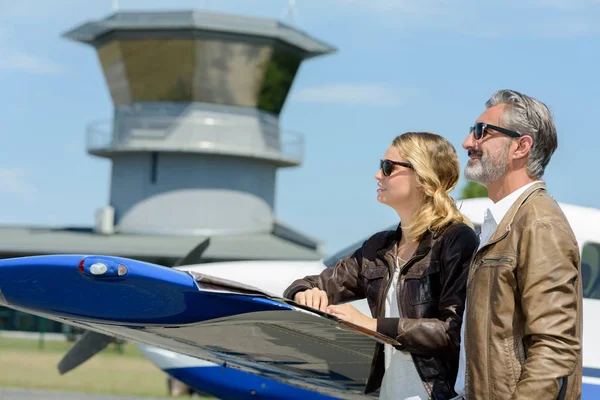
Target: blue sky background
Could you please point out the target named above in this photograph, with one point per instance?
(401, 65)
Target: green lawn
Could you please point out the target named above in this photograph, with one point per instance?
(25, 365)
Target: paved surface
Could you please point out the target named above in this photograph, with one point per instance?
(23, 394)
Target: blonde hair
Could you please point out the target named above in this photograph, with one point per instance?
(437, 169)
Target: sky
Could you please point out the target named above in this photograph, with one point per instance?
(401, 65)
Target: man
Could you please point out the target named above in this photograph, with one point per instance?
(523, 325)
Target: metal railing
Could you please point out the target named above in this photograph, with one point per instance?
(202, 135)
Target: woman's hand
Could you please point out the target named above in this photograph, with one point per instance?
(349, 313)
(314, 298)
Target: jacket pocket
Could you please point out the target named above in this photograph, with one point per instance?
(422, 285)
(490, 261)
(495, 260)
(373, 278)
(374, 272)
(515, 357)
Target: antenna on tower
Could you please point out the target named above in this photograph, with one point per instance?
(290, 12)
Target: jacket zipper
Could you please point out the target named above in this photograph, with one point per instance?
(473, 267)
(494, 260)
(471, 271)
(383, 295)
(399, 287)
(478, 263)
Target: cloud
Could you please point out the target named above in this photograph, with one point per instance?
(556, 4)
(20, 61)
(14, 181)
(73, 147)
(350, 93)
(565, 4)
(518, 18)
(404, 6)
(16, 60)
(37, 9)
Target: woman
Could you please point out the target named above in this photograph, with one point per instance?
(414, 278)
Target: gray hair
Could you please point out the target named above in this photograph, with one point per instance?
(529, 116)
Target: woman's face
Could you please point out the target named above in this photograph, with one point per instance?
(400, 189)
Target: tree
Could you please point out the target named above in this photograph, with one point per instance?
(473, 190)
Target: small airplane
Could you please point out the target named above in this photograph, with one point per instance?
(226, 375)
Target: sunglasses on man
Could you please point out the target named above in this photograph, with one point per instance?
(387, 166)
(480, 127)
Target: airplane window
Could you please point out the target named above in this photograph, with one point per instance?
(590, 270)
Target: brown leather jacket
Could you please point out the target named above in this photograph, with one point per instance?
(523, 325)
(431, 294)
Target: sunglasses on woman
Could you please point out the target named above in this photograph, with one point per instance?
(387, 166)
(480, 127)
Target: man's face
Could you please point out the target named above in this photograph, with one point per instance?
(488, 156)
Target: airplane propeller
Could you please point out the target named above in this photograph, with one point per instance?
(88, 345)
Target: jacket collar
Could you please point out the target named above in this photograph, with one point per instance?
(391, 248)
(505, 225)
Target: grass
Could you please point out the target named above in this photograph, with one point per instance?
(25, 365)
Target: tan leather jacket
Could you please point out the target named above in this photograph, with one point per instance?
(524, 306)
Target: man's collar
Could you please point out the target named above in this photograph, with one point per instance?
(499, 209)
(505, 223)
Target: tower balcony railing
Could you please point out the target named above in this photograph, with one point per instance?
(206, 135)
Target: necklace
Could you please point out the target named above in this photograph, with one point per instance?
(400, 250)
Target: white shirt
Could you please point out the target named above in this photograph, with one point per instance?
(392, 310)
(401, 379)
(492, 218)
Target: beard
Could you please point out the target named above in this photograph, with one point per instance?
(488, 167)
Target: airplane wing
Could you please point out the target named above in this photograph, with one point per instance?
(213, 319)
(91, 343)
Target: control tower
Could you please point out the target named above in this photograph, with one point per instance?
(195, 142)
